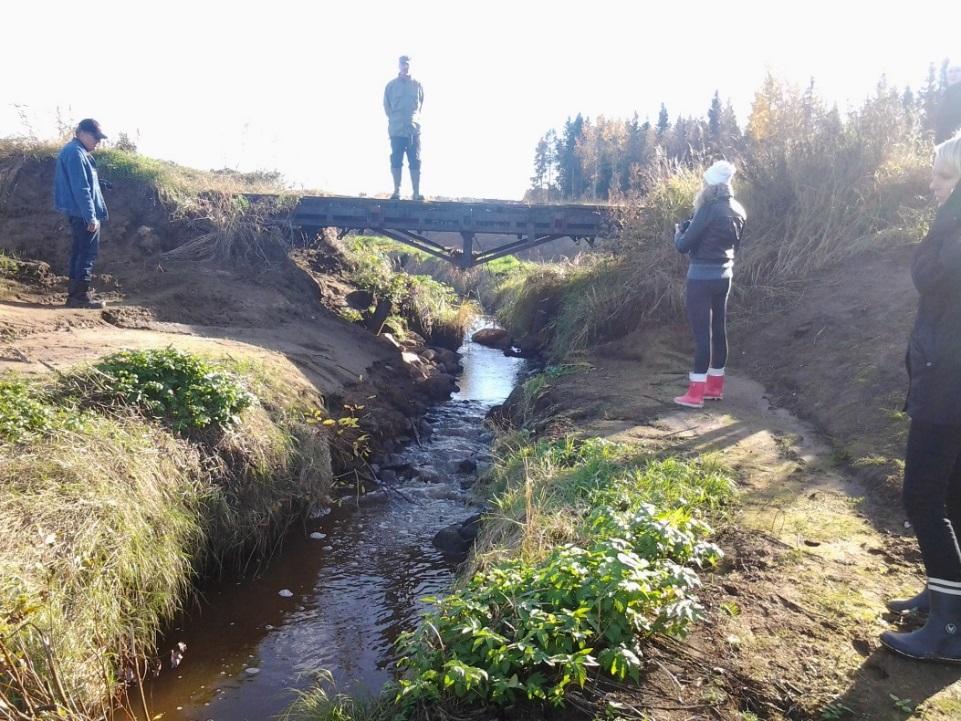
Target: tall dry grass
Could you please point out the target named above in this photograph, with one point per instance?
(809, 207)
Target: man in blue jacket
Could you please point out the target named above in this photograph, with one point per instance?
(77, 194)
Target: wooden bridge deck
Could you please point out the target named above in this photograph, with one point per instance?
(407, 221)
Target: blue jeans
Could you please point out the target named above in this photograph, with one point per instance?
(86, 245)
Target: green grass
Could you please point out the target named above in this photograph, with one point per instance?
(185, 391)
(112, 513)
(171, 179)
(422, 304)
(26, 414)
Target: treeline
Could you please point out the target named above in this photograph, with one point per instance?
(605, 157)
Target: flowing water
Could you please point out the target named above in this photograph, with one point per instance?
(249, 648)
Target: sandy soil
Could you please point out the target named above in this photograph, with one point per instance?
(327, 353)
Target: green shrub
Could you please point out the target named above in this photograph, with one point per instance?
(181, 389)
(25, 415)
(536, 624)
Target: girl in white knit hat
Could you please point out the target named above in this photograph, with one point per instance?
(710, 238)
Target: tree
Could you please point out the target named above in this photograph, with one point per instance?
(663, 122)
(570, 173)
(542, 160)
(714, 121)
(930, 98)
(730, 129)
(634, 155)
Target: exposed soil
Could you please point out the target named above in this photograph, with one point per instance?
(834, 354)
(813, 551)
(280, 306)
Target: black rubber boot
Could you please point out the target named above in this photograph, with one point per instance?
(396, 173)
(916, 604)
(940, 637)
(81, 297)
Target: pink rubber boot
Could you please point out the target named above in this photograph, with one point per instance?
(714, 390)
(694, 398)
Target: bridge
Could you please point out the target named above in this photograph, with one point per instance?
(407, 221)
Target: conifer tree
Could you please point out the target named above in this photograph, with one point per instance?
(663, 122)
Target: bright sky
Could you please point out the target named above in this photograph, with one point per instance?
(298, 86)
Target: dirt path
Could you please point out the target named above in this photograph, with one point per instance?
(797, 606)
(325, 352)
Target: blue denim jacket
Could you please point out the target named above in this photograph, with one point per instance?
(76, 186)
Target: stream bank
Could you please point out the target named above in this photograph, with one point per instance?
(353, 579)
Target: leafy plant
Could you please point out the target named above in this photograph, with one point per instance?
(182, 389)
(346, 430)
(835, 711)
(24, 414)
(535, 629)
(904, 705)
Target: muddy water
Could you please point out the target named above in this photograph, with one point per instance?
(249, 648)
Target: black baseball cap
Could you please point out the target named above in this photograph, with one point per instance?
(90, 125)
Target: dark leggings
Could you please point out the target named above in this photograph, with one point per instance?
(707, 314)
(932, 495)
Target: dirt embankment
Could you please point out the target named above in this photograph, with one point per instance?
(283, 303)
(812, 427)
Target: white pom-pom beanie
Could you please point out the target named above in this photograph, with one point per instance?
(720, 173)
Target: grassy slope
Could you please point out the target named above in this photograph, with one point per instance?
(112, 516)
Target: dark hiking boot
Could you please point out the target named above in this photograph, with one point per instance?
(916, 604)
(82, 297)
(940, 637)
(71, 293)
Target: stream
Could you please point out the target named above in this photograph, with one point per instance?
(249, 649)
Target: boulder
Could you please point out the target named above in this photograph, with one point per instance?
(449, 540)
(492, 338)
(439, 387)
(470, 528)
(466, 466)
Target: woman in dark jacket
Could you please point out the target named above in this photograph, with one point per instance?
(932, 468)
(711, 238)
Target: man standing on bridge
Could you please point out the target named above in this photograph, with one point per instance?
(403, 100)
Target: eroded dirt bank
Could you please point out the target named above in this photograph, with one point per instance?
(813, 549)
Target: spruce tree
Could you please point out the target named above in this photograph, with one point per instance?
(714, 126)
(663, 121)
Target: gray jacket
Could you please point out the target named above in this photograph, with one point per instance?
(403, 100)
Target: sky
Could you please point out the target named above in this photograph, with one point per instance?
(298, 86)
